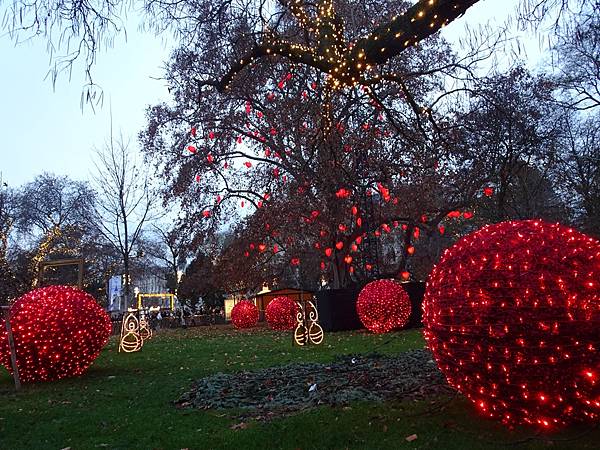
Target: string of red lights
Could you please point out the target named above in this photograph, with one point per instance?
(244, 314)
(58, 332)
(512, 314)
(383, 306)
(281, 313)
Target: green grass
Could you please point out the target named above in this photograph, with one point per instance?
(124, 402)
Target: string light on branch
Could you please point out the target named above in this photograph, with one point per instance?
(512, 314)
(281, 313)
(244, 314)
(383, 306)
(58, 332)
(347, 63)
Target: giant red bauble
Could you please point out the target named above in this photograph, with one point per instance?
(383, 306)
(512, 316)
(58, 331)
(281, 313)
(244, 314)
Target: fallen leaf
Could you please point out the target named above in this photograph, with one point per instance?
(411, 438)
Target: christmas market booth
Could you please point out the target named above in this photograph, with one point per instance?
(264, 297)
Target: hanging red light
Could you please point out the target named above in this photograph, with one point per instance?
(58, 332)
(512, 314)
(244, 314)
(281, 313)
(383, 306)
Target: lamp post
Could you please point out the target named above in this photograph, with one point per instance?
(136, 292)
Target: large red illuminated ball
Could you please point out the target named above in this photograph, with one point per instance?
(383, 306)
(244, 314)
(512, 316)
(281, 313)
(58, 332)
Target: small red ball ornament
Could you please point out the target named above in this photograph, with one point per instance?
(512, 314)
(383, 306)
(58, 332)
(244, 314)
(281, 313)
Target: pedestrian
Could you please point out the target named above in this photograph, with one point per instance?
(158, 319)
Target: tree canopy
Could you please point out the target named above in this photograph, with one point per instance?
(321, 169)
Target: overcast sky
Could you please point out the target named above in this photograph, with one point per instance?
(45, 129)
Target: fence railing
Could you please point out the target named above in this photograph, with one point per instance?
(195, 320)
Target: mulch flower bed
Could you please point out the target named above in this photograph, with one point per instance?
(282, 390)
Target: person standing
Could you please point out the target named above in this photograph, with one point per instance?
(158, 320)
(182, 318)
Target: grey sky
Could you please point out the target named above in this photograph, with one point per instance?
(46, 130)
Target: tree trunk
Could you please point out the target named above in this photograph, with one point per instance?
(340, 272)
(173, 288)
(127, 280)
(407, 242)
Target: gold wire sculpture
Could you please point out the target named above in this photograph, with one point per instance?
(145, 330)
(308, 330)
(43, 276)
(130, 341)
(170, 297)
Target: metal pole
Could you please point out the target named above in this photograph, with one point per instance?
(13, 352)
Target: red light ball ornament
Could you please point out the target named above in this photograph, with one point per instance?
(512, 316)
(281, 313)
(244, 314)
(58, 332)
(383, 306)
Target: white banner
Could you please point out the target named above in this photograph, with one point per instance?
(114, 293)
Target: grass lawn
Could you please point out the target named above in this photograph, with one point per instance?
(124, 402)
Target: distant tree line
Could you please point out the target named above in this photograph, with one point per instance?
(114, 223)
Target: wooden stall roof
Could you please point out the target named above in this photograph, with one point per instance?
(262, 299)
(282, 291)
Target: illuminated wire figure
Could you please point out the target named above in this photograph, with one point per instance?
(145, 330)
(130, 341)
(308, 330)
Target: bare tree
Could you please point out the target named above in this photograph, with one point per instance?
(79, 29)
(511, 128)
(577, 54)
(53, 202)
(171, 247)
(126, 200)
(263, 143)
(73, 30)
(6, 216)
(7, 277)
(578, 170)
(51, 217)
